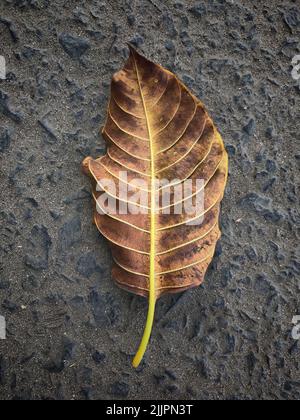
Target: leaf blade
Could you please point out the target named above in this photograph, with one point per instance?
(156, 128)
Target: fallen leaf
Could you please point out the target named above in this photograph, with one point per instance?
(156, 129)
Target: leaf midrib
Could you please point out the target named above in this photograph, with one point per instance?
(152, 274)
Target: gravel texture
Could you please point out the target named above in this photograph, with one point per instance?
(71, 333)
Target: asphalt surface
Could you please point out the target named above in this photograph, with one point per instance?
(71, 333)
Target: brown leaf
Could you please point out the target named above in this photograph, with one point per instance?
(156, 129)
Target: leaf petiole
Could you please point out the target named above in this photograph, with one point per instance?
(147, 333)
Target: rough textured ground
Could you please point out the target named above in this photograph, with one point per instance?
(71, 331)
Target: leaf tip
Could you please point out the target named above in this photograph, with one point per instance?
(131, 48)
(133, 51)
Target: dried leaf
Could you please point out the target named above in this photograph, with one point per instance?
(156, 129)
